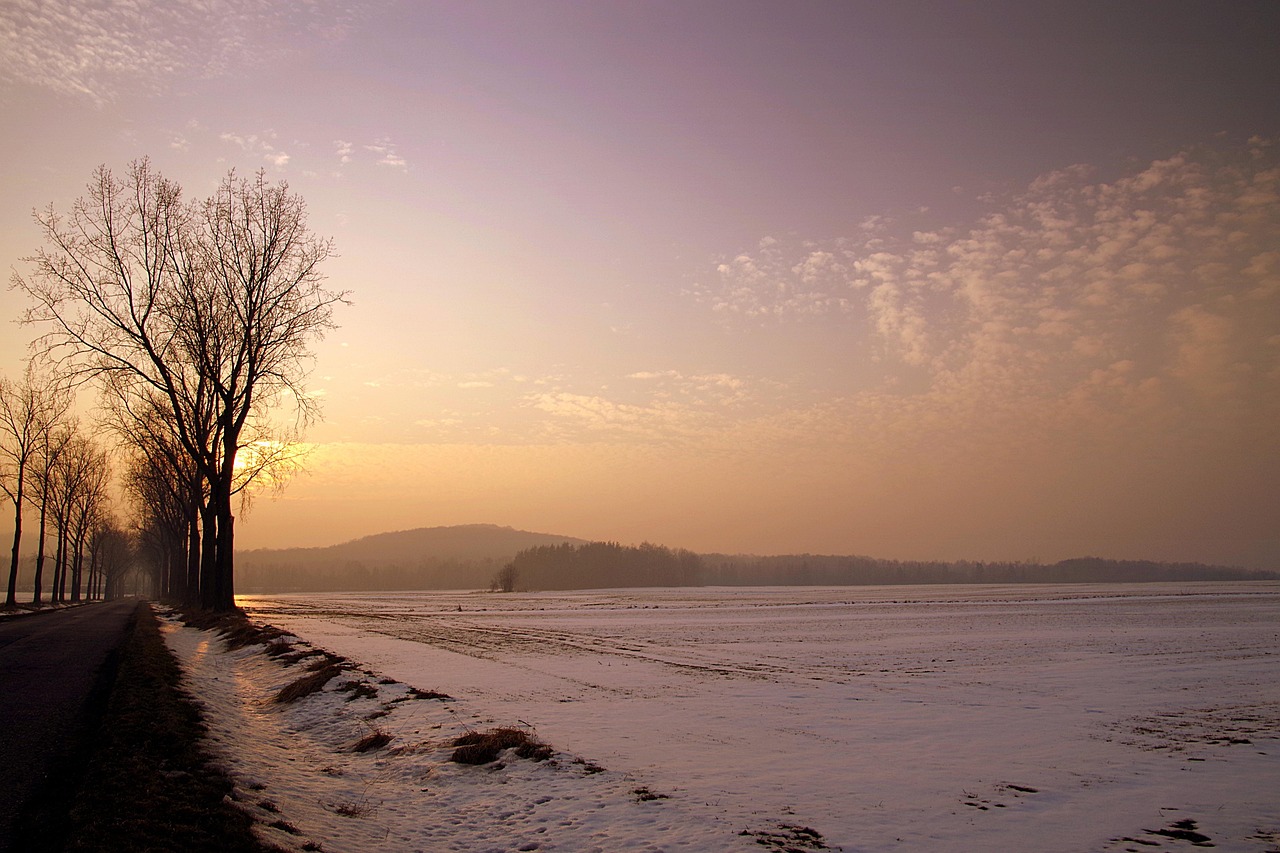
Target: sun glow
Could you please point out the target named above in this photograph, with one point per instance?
(266, 466)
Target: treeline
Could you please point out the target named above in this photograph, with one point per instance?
(195, 319)
(597, 565)
(821, 570)
(55, 471)
(352, 575)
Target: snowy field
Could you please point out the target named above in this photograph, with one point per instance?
(941, 718)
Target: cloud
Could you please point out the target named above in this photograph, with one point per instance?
(261, 146)
(1167, 268)
(386, 153)
(100, 50)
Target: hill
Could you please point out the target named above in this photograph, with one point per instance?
(459, 557)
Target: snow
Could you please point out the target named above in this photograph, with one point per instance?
(947, 718)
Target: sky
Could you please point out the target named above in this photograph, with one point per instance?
(917, 280)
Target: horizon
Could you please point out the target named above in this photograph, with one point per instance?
(996, 282)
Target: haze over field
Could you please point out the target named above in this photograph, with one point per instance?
(998, 281)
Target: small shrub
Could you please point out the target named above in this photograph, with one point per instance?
(485, 747)
(307, 685)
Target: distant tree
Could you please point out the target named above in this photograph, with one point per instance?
(506, 578)
(110, 557)
(606, 564)
(29, 411)
(206, 310)
(88, 508)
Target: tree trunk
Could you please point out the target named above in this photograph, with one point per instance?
(208, 555)
(191, 591)
(11, 598)
(59, 568)
(77, 566)
(226, 562)
(44, 499)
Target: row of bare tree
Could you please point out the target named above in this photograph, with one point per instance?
(49, 465)
(194, 319)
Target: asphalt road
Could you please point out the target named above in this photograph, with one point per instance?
(56, 670)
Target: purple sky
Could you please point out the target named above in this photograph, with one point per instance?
(987, 280)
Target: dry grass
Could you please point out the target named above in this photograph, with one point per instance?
(327, 659)
(485, 747)
(644, 795)
(375, 739)
(233, 627)
(358, 690)
(354, 809)
(297, 655)
(307, 684)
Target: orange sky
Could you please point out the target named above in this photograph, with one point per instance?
(914, 280)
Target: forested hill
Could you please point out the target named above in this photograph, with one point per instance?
(822, 570)
(459, 557)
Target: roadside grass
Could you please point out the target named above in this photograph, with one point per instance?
(307, 684)
(149, 785)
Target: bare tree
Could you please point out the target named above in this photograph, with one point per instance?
(167, 495)
(29, 410)
(75, 472)
(208, 310)
(88, 507)
(54, 443)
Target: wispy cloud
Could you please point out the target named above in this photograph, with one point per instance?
(98, 50)
(385, 152)
(261, 146)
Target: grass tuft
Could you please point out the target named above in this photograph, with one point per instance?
(327, 659)
(644, 795)
(485, 747)
(307, 684)
(375, 739)
(358, 690)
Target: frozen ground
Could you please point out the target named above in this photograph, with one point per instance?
(1068, 718)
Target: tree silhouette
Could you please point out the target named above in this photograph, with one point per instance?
(29, 411)
(203, 311)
